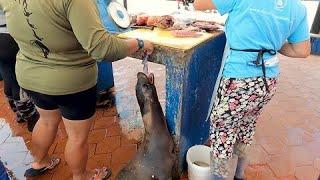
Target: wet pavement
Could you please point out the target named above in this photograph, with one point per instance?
(287, 142)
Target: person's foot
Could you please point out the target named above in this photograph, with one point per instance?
(45, 163)
(235, 178)
(38, 169)
(99, 174)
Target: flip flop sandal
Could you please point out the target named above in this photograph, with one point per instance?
(106, 176)
(37, 172)
(237, 178)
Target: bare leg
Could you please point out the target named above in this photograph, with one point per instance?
(221, 168)
(241, 150)
(43, 136)
(76, 151)
(242, 162)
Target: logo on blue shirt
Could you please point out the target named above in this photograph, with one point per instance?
(280, 4)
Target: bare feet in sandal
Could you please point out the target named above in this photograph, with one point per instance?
(38, 169)
(44, 163)
(100, 174)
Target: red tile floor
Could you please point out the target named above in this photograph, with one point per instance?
(287, 142)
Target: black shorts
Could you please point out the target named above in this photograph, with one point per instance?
(78, 106)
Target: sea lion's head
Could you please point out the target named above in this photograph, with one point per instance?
(145, 89)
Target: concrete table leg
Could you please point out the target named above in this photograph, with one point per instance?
(189, 88)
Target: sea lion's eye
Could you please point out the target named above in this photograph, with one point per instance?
(145, 86)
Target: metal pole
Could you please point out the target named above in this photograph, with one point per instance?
(125, 3)
(315, 29)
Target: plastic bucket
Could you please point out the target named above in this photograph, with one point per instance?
(198, 159)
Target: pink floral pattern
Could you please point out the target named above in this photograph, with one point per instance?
(237, 107)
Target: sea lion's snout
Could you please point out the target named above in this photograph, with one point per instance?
(145, 89)
(143, 78)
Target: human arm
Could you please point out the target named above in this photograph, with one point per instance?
(134, 47)
(298, 45)
(91, 34)
(202, 5)
(296, 50)
(223, 6)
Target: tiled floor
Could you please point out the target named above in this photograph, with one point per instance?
(287, 141)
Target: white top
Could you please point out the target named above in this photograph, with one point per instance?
(3, 21)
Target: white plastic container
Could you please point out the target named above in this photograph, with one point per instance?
(198, 159)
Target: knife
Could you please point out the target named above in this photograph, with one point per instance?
(145, 63)
(143, 27)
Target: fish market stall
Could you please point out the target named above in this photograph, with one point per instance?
(192, 68)
(192, 53)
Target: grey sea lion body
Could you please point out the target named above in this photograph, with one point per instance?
(155, 158)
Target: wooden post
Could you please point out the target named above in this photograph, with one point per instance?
(315, 29)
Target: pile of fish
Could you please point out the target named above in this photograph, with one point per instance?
(178, 28)
(185, 33)
(207, 26)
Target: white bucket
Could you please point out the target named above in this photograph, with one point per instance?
(198, 159)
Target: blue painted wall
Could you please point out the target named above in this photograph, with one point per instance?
(189, 86)
(174, 91)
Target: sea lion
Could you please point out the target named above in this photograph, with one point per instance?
(155, 158)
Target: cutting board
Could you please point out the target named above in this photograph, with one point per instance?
(165, 38)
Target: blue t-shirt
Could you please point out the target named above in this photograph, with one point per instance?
(255, 24)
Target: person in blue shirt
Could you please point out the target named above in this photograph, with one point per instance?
(256, 31)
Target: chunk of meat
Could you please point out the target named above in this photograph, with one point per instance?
(152, 20)
(165, 22)
(142, 20)
(207, 26)
(178, 26)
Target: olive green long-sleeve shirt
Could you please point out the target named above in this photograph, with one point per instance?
(60, 42)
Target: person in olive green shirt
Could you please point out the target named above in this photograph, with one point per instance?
(60, 43)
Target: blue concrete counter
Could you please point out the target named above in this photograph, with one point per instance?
(190, 80)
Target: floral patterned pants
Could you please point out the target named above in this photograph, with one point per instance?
(237, 107)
